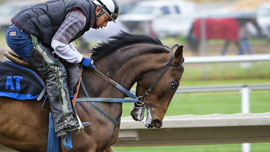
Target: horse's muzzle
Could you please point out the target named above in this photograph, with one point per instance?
(155, 124)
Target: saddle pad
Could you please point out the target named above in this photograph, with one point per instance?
(18, 82)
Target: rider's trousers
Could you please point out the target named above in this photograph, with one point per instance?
(55, 75)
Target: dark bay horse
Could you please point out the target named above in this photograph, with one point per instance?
(220, 28)
(125, 58)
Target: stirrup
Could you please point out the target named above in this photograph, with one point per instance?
(81, 125)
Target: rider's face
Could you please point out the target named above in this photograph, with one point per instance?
(102, 20)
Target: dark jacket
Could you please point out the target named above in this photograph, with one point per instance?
(44, 19)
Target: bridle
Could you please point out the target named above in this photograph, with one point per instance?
(163, 70)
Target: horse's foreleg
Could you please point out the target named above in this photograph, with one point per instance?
(225, 47)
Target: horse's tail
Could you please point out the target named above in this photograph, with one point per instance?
(193, 42)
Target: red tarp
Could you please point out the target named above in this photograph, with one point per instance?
(224, 28)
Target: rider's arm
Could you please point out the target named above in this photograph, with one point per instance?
(72, 25)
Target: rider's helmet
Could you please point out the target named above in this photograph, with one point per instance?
(110, 7)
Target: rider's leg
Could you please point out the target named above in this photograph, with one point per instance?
(55, 74)
(73, 75)
(240, 48)
(246, 45)
(19, 41)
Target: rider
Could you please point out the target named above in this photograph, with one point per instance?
(42, 36)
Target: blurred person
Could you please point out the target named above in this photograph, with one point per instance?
(244, 35)
(42, 35)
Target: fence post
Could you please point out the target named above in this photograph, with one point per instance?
(203, 46)
(245, 109)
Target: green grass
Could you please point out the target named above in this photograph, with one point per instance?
(208, 103)
(258, 147)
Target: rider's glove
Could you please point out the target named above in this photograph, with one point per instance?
(88, 62)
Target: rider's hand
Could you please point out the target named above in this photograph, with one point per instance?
(88, 62)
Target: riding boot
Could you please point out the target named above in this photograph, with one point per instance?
(63, 122)
(54, 72)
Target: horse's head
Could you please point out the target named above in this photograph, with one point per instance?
(156, 88)
(156, 68)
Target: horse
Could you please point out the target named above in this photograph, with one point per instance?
(126, 59)
(220, 28)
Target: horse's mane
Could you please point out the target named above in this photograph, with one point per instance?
(121, 40)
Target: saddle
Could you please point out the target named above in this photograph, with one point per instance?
(17, 80)
(16, 59)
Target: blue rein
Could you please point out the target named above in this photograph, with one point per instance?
(119, 100)
(115, 100)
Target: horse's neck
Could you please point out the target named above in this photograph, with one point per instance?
(123, 67)
(127, 67)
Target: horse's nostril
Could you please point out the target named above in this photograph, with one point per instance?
(156, 123)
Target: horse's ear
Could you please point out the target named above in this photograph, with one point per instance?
(175, 47)
(178, 54)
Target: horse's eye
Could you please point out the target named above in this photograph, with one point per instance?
(173, 85)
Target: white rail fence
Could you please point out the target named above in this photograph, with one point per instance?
(224, 59)
(203, 129)
(194, 130)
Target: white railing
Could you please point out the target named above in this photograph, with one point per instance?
(197, 130)
(203, 129)
(222, 59)
(221, 88)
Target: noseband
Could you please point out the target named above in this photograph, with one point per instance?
(164, 70)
